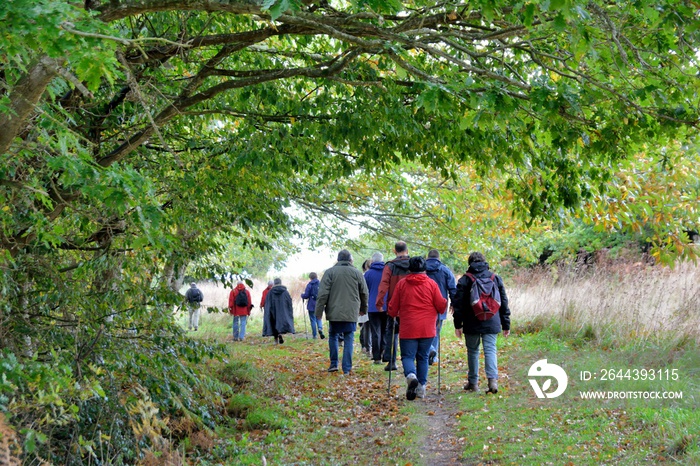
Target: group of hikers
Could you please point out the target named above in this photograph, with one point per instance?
(399, 304)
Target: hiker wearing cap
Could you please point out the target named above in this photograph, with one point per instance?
(194, 299)
(239, 306)
(479, 325)
(279, 312)
(342, 295)
(394, 271)
(265, 330)
(417, 302)
(310, 294)
(445, 280)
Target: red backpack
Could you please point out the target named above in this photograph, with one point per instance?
(484, 298)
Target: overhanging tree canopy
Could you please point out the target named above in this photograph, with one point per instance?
(133, 132)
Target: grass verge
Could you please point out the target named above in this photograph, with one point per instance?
(288, 410)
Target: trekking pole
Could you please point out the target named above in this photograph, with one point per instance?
(392, 355)
(439, 357)
(303, 311)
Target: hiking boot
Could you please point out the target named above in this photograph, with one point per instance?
(377, 361)
(333, 369)
(493, 386)
(281, 340)
(431, 357)
(471, 387)
(391, 367)
(320, 334)
(412, 386)
(420, 391)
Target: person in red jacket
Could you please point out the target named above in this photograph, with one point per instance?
(239, 306)
(417, 301)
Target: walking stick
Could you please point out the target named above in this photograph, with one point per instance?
(392, 355)
(303, 311)
(439, 357)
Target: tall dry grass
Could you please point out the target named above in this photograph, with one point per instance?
(618, 300)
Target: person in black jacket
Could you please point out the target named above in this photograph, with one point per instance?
(477, 331)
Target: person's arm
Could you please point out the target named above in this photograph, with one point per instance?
(439, 302)
(231, 299)
(307, 292)
(364, 294)
(323, 290)
(451, 284)
(457, 305)
(383, 287)
(250, 301)
(395, 303)
(504, 311)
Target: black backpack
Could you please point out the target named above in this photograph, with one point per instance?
(241, 299)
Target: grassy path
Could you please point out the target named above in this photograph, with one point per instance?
(289, 410)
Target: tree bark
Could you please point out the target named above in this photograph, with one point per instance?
(24, 97)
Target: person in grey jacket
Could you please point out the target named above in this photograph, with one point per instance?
(342, 295)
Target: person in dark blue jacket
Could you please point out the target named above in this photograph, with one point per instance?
(377, 317)
(477, 331)
(445, 280)
(310, 294)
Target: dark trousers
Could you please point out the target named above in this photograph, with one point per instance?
(377, 323)
(365, 337)
(391, 333)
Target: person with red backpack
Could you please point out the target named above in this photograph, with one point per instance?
(480, 313)
(239, 306)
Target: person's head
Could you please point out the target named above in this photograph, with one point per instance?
(277, 281)
(270, 283)
(240, 282)
(401, 248)
(377, 257)
(433, 254)
(365, 265)
(193, 285)
(344, 255)
(416, 264)
(313, 276)
(476, 257)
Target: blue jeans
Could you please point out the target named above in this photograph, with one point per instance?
(315, 323)
(239, 323)
(347, 349)
(414, 357)
(436, 340)
(490, 360)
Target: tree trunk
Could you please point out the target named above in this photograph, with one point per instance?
(24, 97)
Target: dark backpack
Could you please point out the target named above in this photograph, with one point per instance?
(484, 298)
(241, 299)
(194, 296)
(313, 292)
